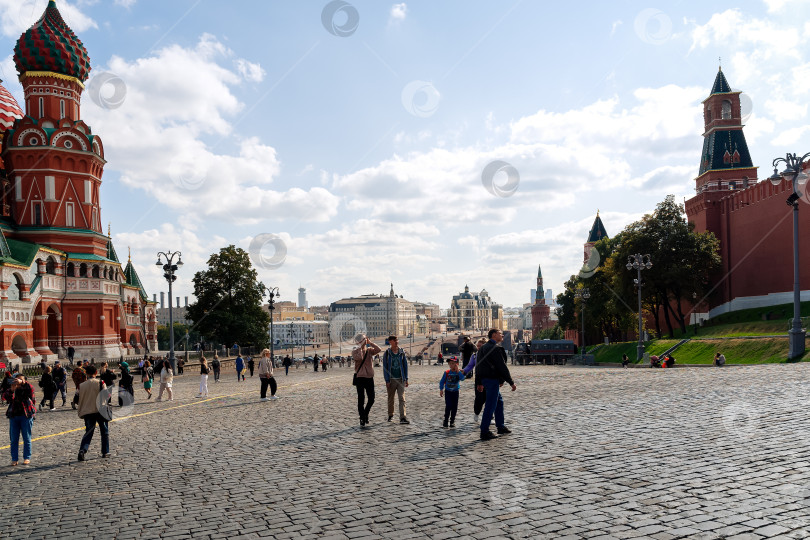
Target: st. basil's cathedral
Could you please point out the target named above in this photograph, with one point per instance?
(61, 281)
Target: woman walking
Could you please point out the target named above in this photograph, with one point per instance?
(148, 378)
(364, 375)
(204, 370)
(22, 408)
(266, 376)
(166, 378)
(48, 388)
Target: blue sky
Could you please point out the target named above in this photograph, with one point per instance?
(361, 156)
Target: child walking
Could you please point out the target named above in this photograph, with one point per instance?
(449, 387)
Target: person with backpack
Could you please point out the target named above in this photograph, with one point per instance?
(449, 386)
(126, 385)
(79, 376)
(60, 379)
(395, 373)
(48, 388)
(89, 404)
(22, 409)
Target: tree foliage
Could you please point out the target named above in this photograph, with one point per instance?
(683, 262)
(229, 300)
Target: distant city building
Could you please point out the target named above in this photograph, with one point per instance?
(179, 315)
(302, 298)
(473, 311)
(292, 333)
(550, 298)
(380, 316)
(533, 295)
(431, 311)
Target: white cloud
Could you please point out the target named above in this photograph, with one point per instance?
(19, 15)
(250, 71)
(125, 3)
(398, 12)
(178, 110)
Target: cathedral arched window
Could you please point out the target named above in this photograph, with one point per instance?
(83, 270)
(71, 270)
(96, 271)
(50, 266)
(726, 110)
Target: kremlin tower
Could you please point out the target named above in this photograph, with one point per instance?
(61, 283)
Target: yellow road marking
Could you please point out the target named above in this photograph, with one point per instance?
(164, 410)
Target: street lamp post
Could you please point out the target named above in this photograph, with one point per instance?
(583, 295)
(639, 262)
(309, 336)
(271, 305)
(168, 272)
(794, 174)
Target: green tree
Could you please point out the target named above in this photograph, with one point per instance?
(555, 332)
(683, 262)
(179, 336)
(229, 300)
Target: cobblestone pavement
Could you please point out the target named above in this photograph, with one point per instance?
(595, 453)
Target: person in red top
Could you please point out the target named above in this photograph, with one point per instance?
(21, 411)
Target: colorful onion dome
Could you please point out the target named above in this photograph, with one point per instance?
(50, 45)
(9, 109)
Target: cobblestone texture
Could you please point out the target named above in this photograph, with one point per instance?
(595, 453)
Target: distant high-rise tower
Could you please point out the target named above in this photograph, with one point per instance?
(302, 298)
(549, 297)
(533, 294)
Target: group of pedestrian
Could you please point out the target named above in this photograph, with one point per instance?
(487, 359)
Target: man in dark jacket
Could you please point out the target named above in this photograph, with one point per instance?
(467, 350)
(60, 379)
(490, 373)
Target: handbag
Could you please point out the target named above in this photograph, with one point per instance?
(354, 379)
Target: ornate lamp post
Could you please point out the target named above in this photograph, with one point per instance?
(583, 294)
(639, 262)
(271, 305)
(794, 174)
(168, 272)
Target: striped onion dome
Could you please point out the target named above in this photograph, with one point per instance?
(51, 46)
(9, 109)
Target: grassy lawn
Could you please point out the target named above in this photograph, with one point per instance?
(737, 351)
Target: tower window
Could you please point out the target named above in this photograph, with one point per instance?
(41, 107)
(37, 213)
(61, 108)
(726, 110)
(78, 320)
(70, 216)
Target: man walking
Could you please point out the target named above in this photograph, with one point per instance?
(316, 361)
(216, 366)
(490, 373)
(71, 353)
(89, 403)
(60, 379)
(395, 372)
(364, 375)
(467, 350)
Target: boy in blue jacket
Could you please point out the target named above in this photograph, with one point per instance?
(449, 387)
